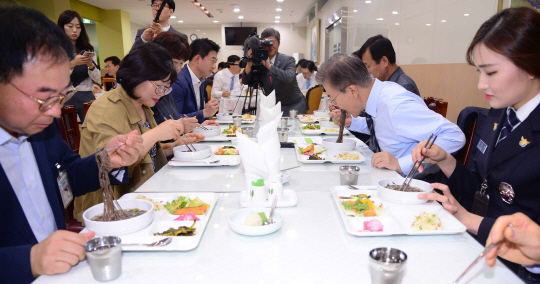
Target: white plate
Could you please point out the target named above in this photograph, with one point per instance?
(305, 120)
(224, 160)
(163, 220)
(219, 138)
(238, 218)
(399, 217)
(321, 131)
(329, 156)
(289, 199)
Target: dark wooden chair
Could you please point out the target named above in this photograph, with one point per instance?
(104, 82)
(313, 98)
(437, 105)
(86, 106)
(71, 127)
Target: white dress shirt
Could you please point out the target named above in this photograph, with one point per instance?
(19, 164)
(93, 76)
(165, 29)
(222, 82)
(196, 86)
(302, 82)
(523, 112)
(402, 120)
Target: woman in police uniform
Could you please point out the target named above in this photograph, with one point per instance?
(504, 177)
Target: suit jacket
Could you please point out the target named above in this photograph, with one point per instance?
(16, 236)
(283, 73)
(139, 41)
(509, 162)
(184, 95)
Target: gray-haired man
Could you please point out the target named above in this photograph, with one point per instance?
(397, 120)
(279, 75)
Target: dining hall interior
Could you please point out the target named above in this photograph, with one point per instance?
(138, 141)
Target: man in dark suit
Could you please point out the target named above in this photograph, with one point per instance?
(34, 83)
(279, 75)
(146, 35)
(112, 64)
(189, 91)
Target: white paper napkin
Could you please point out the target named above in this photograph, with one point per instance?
(270, 100)
(268, 114)
(261, 160)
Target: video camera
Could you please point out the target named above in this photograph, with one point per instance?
(258, 54)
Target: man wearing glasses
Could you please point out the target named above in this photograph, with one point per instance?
(34, 84)
(397, 120)
(227, 80)
(146, 35)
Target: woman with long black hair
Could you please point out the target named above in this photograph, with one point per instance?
(83, 66)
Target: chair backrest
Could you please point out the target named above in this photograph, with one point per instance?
(437, 105)
(71, 127)
(86, 106)
(313, 97)
(107, 80)
(208, 92)
(468, 120)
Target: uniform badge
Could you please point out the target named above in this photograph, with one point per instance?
(482, 146)
(524, 142)
(495, 126)
(506, 192)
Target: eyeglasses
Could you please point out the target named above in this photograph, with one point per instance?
(162, 89)
(233, 63)
(156, 6)
(334, 99)
(45, 105)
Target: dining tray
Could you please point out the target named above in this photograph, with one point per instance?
(329, 156)
(224, 160)
(163, 220)
(398, 218)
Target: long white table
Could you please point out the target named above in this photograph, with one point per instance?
(311, 247)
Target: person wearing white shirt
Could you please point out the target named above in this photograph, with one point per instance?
(307, 78)
(227, 80)
(146, 35)
(397, 120)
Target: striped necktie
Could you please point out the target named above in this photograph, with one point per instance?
(373, 144)
(510, 123)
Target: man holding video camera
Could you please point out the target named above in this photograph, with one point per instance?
(279, 74)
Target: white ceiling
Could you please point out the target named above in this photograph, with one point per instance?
(254, 11)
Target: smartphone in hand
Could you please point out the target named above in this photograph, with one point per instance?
(89, 54)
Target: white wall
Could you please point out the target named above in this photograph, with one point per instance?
(414, 42)
(291, 41)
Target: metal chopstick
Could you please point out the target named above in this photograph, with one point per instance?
(415, 167)
(181, 137)
(194, 149)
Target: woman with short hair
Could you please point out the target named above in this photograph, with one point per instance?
(144, 76)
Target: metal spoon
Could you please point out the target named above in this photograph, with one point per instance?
(160, 243)
(271, 219)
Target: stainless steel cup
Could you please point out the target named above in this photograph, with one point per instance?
(293, 113)
(348, 175)
(248, 131)
(284, 122)
(104, 255)
(283, 134)
(237, 120)
(387, 265)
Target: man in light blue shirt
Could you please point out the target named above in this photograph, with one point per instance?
(397, 119)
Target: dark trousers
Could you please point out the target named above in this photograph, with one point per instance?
(78, 100)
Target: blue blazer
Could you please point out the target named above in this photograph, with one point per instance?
(511, 161)
(16, 236)
(184, 95)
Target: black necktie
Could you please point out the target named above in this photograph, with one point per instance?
(510, 122)
(373, 144)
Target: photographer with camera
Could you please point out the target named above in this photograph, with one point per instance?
(275, 72)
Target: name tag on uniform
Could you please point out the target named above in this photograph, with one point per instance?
(482, 146)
